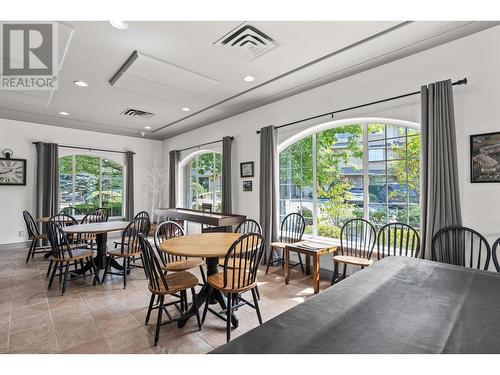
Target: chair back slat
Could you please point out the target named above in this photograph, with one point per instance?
(248, 226)
(398, 239)
(358, 238)
(152, 265)
(130, 237)
(31, 226)
(461, 246)
(98, 216)
(58, 240)
(142, 214)
(242, 261)
(166, 231)
(292, 228)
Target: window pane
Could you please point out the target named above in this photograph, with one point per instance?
(87, 182)
(376, 131)
(65, 181)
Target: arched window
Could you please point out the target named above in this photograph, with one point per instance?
(202, 180)
(366, 168)
(89, 182)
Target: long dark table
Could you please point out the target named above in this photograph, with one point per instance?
(397, 305)
(202, 217)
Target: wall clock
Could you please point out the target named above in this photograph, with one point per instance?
(12, 171)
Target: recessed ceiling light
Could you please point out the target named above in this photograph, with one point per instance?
(120, 25)
(249, 79)
(186, 109)
(81, 83)
(62, 113)
(147, 127)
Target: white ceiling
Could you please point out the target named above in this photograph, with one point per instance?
(308, 54)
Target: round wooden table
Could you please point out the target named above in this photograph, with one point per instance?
(101, 231)
(211, 246)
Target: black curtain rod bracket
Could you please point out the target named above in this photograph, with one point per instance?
(203, 144)
(332, 113)
(89, 149)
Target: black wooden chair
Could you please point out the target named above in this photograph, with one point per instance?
(143, 214)
(397, 239)
(173, 263)
(35, 236)
(461, 246)
(64, 255)
(72, 211)
(357, 241)
(239, 275)
(161, 284)
(248, 226)
(292, 230)
(98, 216)
(129, 248)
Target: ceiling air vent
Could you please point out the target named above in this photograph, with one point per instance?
(247, 41)
(130, 112)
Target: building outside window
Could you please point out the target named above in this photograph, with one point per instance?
(365, 170)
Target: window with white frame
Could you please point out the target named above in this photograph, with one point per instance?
(365, 170)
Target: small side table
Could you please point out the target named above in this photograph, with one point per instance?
(309, 251)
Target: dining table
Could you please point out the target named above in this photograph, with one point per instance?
(397, 305)
(45, 219)
(210, 246)
(100, 230)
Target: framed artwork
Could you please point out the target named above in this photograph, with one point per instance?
(247, 185)
(12, 171)
(246, 169)
(485, 157)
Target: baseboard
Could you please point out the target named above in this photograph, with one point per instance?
(15, 245)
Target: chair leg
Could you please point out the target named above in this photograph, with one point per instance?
(106, 268)
(82, 267)
(257, 292)
(203, 277)
(269, 260)
(151, 302)
(228, 316)
(207, 302)
(96, 272)
(335, 272)
(31, 249)
(344, 271)
(125, 272)
(256, 303)
(196, 308)
(61, 273)
(66, 274)
(158, 320)
(49, 268)
(283, 259)
(54, 270)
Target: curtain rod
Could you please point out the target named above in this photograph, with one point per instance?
(460, 82)
(89, 149)
(203, 144)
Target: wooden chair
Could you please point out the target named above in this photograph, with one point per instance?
(35, 236)
(292, 229)
(173, 263)
(161, 284)
(72, 211)
(98, 216)
(494, 254)
(357, 241)
(238, 276)
(461, 246)
(64, 255)
(130, 248)
(140, 214)
(397, 239)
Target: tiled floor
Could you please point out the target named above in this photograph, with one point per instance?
(109, 319)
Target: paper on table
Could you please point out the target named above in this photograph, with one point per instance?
(312, 245)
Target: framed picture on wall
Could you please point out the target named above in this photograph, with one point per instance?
(485, 157)
(246, 169)
(247, 185)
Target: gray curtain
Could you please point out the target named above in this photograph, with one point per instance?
(440, 191)
(268, 189)
(226, 175)
(47, 179)
(129, 199)
(172, 178)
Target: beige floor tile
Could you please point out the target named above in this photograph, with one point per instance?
(95, 346)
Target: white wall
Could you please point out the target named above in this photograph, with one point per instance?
(19, 137)
(477, 110)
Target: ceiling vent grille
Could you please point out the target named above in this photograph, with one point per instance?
(130, 112)
(247, 41)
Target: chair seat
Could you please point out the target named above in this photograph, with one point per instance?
(183, 265)
(39, 237)
(77, 254)
(177, 281)
(356, 261)
(279, 245)
(118, 253)
(217, 281)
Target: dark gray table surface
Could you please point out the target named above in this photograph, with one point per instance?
(397, 305)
